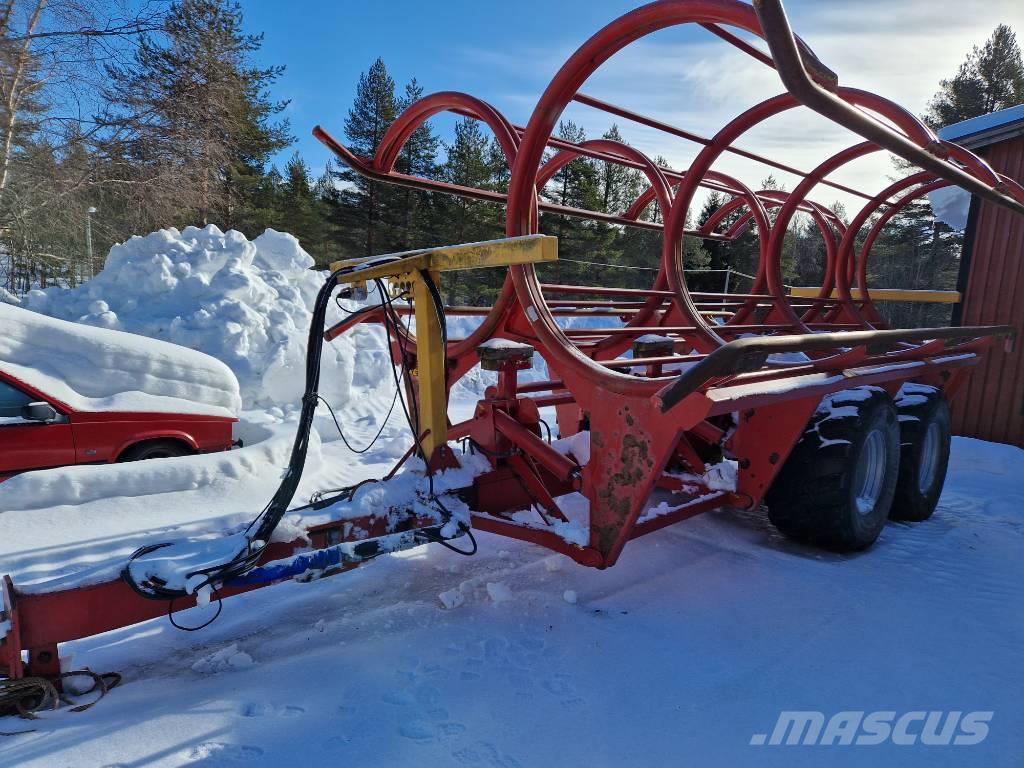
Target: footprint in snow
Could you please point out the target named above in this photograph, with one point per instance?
(486, 755)
(255, 710)
(451, 729)
(424, 732)
(400, 697)
(418, 730)
(261, 709)
(336, 742)
(495, 648)
(213, 752)
(428, 696)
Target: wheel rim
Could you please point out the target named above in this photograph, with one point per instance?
(870, 475)
(929, 460)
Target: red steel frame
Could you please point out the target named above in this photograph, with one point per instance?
(652, 429)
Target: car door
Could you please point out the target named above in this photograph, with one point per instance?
(26, 444)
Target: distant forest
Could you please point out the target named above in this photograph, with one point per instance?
(157, 115)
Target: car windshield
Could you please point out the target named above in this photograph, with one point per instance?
(12, 400)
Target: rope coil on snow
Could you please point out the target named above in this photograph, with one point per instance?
(27, 696)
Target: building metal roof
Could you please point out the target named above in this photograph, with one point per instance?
(987, 129)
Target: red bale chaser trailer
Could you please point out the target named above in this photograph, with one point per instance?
(680, 403)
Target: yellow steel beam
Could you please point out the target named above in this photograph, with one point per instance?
(406, 273)
(492, 253)
(431, 360)
(886, 294)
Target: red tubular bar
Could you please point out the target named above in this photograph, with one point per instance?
(635, 117)
(928, 155)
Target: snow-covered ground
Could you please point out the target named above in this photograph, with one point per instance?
(679, 655)
(676, 656)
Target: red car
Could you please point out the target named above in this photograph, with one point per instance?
(38, 431)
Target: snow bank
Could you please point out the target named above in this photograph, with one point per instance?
(101, 369)
(246, 303)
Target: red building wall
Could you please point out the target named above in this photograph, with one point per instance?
(991, 405)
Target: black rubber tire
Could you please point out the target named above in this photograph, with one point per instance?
(921, 409)
(814, 499)
(155, 449)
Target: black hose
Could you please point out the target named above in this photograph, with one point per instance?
(260, 530)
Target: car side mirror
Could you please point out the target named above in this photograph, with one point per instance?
(43, 412)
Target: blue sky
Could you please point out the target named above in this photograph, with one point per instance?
(506, 53)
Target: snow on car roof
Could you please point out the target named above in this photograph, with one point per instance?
(97, 369)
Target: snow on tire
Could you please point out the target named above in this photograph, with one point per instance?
(924, 451)
(837, 486)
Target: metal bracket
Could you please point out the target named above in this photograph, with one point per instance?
(406, 275)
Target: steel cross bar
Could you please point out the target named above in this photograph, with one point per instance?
(672, 174)
(750, 354)
(636, 117)
(366, 169)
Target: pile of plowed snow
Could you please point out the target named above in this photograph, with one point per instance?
(246, 303)
(94, 369)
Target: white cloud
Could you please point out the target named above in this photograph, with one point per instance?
(900, 50)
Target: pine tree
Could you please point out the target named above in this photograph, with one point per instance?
(418, 157)
(575, 183)
(469, 163)
(196, 120)
(619, 184)
(296, 203)
(992, 78)
(372, 113)
(328, 205)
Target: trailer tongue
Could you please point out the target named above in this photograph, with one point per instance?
(677, 402)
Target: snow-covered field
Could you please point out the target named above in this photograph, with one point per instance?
(677, 656)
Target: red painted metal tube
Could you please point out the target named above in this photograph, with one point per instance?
(672, 175)
(788, 209)
(603, 291)
(635, 117)
(560, 466)
(780, 40)
(843, 278)
(685, 512)
(364, 168)
(547, 539)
